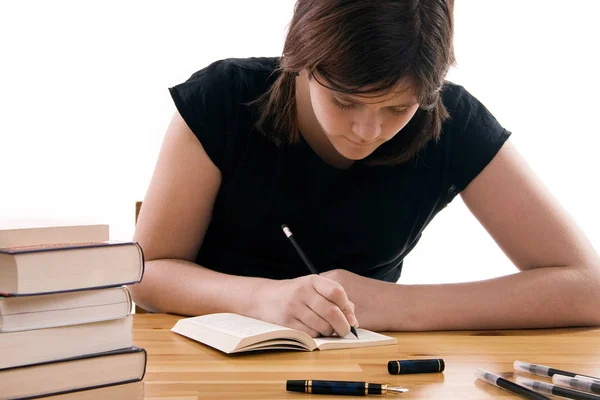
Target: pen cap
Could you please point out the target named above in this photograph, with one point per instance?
(398, 367)
(521, 366)
(588, 378)
(581, 384)
(535, 385)
(486, 376)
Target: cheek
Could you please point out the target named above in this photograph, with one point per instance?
(332, 120)
(398, 123)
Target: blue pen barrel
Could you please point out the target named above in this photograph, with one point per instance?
(334, 387)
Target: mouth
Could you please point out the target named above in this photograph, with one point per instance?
(359, 144)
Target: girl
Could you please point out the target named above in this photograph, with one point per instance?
(355, 140)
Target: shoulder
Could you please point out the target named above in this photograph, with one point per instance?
(234, 73)
(214, 103)
(470, 137)
(455, 97)
(464, 109)
(220, 90)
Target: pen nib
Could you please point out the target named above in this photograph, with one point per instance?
(397, 389)
(353, 330)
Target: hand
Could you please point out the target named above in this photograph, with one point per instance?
(312, 304)
(368, 294)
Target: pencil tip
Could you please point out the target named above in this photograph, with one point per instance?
(353, 330)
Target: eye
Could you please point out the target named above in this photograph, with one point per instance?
(398, 112)
(343, 106)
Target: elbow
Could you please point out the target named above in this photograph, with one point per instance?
(589, 289)
(144, 294)
(141, 297)
(592, 315)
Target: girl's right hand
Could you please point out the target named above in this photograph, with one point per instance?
(313, 304)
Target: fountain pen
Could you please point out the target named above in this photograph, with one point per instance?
(341, 388)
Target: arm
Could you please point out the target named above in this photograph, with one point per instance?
(171, 226)
(560, 272)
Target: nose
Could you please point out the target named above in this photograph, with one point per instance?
(367, 128)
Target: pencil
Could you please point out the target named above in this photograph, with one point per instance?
(309, 265)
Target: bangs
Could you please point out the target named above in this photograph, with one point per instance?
(366, 88)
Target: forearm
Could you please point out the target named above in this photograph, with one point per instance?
(182, 287)
(538, 298)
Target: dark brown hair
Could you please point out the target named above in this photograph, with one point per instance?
(366, 47)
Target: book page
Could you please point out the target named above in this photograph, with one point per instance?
(274, 344)
(236, 325)
(365, 339)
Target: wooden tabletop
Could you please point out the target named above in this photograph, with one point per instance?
(181, 369)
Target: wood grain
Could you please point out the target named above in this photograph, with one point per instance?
(181, 369)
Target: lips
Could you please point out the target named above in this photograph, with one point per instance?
(361, 144)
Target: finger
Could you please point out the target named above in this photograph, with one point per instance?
(315, 321)
(331, 313)
(300, 326)
(350, 313)
(335, 293)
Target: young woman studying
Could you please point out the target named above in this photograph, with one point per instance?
(355, 140)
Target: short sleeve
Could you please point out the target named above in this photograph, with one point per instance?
(474, 137)
(207, 102)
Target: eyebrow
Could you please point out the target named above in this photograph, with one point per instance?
(343, 97)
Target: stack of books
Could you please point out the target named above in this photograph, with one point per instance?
(65, 314)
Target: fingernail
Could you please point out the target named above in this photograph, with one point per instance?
(353, 321)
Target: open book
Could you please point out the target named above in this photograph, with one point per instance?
(232, 333)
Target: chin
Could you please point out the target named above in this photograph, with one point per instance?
(353, 153)
(355, 156)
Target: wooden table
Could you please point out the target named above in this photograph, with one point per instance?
(179, 368)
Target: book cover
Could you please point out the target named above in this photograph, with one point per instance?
(74, 374)
(21, 313)
(43, 269)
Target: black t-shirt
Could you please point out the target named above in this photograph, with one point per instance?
(364, 219)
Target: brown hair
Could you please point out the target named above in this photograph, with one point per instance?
(366, 47)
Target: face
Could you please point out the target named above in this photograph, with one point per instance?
(356, 125)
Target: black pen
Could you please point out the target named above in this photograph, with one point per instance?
(542, 370)
(346, 388)
(311, 268)
(512, 387)
(549, 388)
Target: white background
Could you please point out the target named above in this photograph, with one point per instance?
(84, 104)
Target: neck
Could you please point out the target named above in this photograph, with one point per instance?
(310, 129)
